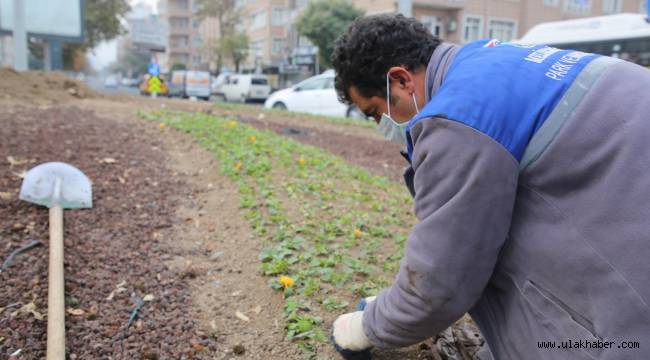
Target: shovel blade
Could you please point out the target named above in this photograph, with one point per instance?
(41, 182)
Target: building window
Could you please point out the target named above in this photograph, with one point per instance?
(179, 41)
(278, 46)
(503, 30)
(472, 28)
(612, 6)
(197, 41)
(279, 16)
(196, 23)
(179, 23)
(257, 47)
(196, 59)
(182, 4)
(433, 23)
(180, 58)
(258, 20)
(304, 41)
(577, 7)
(552, 2)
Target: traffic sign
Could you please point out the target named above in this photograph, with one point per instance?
(153, 69)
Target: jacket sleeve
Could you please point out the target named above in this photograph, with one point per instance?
(465, 185)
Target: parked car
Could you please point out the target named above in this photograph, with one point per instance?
(110, 81)
(245, 87)
(315, 95)
(129, 82)
(187, 83)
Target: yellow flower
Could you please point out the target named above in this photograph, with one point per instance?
(162, 126)
(253, 138)
(238, 166)
(301, 161)
(286, 281)
(357, 233)
(231, 124)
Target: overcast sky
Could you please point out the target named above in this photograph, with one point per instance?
(106, 52)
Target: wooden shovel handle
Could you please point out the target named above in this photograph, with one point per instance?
(55, 291)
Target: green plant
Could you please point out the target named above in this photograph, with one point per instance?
(322, 223)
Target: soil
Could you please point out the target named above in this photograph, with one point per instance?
(360, 146)
(379, 157)
(163, 223)
(38, 87)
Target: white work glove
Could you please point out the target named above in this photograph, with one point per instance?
(348, 336)
(347, 332)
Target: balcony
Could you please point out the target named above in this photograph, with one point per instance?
(173, 31)
(440, 4)
(175, 11)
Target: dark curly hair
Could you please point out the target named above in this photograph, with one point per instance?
(372, 45)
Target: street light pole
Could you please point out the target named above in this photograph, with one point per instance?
(20, 36)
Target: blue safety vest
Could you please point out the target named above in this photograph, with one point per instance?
(504, 90)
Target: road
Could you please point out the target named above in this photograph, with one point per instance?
(97, 84)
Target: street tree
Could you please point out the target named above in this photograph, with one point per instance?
(235, 46)
(102, 23)
(323, 21)
(178, 66)
(227, 15)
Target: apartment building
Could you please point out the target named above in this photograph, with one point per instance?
(184, 42)
(146, 30)
(462, 21)
(271, 30)
(277, 48)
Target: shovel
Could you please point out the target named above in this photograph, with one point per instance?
(57, 186)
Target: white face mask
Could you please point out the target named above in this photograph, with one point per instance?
(392, 130)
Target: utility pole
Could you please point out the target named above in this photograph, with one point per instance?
(20, 36)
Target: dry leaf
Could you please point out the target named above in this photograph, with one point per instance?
(236, 293)
(16, 353)
(28, 309)
(121, 180)
(118, 289)
(257, 309)
(148, 297)
(107, 161)
(6, 196)
(21, 174)
(76, 312)
(241, 316)
(13, 161)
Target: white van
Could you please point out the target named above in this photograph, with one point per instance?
(197, 83)
(186, 83)
(245, 87)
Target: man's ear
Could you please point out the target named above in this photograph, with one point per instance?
(401, 76)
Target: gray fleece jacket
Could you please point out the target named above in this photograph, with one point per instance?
(550, 250)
